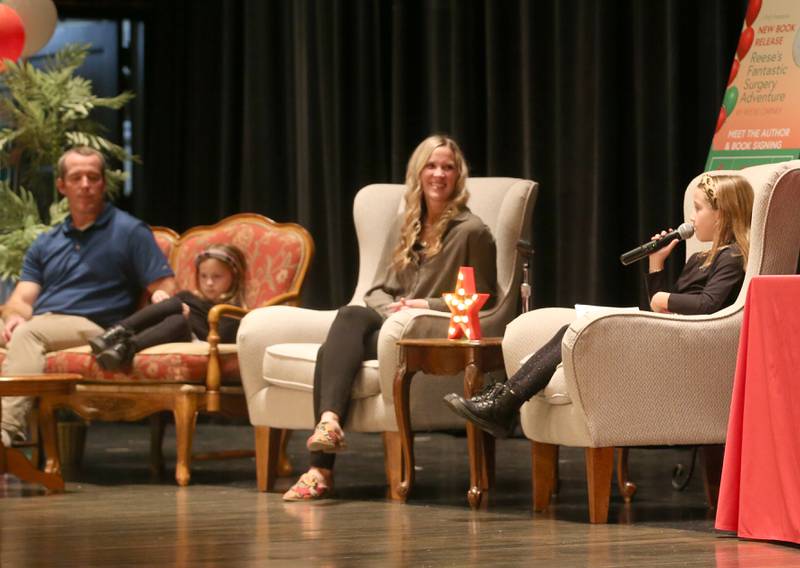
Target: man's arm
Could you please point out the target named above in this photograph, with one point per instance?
(162, 289)
(19, 307)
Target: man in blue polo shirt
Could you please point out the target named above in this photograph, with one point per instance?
(80, 277)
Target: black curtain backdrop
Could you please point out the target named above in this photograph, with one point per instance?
(288, 108)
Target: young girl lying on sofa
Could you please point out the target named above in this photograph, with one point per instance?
(219, 279)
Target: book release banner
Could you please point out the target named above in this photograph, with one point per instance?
(759, 121)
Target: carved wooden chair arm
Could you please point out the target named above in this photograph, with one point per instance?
(214, 373)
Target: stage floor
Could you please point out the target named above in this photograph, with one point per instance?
(114, 514)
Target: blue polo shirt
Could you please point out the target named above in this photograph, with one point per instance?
(97, 273)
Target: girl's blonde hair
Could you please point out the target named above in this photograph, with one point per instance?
(732, 196)
(234, 259)
(405, 252)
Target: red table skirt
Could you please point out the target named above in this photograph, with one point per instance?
(760, 491)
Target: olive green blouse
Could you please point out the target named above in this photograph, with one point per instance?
(467, 241)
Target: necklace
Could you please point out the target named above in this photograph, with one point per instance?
(425, 234)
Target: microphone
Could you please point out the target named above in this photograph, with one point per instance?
(524, 247)
(682, 233)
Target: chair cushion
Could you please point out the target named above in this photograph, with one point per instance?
(167, 363)
(2, 356)
(555, 392)
(294, 364)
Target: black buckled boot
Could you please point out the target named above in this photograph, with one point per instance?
(495, 414)
(116, 356)
(488, 392)
(109, 338)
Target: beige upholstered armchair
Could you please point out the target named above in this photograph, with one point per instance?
(278, 345)
(647, 379)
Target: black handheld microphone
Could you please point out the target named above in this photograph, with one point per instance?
(682, 233)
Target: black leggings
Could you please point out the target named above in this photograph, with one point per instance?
(534, 375)
(158, 323)
(352, 339)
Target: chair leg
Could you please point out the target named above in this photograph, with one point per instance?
(157, 428)
(185, 420)
(626, 487)
(544, 462)
(46, 426)
(33, 436)
(268, 446)
(711, 458)
(599, 470)
(284, 464)
(393, 464)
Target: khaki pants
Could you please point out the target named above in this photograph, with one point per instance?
(26, 354)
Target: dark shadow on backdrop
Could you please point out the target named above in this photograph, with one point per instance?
(288, 108)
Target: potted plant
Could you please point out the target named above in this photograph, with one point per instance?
(43, 112)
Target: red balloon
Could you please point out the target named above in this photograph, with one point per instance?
(720, 119)
(734, 71)
(745, 41)
(753, 8)
(12, 34)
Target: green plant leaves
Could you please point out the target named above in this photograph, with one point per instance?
(19, 227)
(16, 207)
(58, 211)
(44, 111)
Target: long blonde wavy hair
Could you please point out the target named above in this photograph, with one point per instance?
(405, 253)
(732, 196)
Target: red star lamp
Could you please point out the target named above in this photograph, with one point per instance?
(465, 303)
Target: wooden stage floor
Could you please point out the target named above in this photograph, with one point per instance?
(113, 514)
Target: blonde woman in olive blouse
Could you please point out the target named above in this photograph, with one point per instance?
(437, 235)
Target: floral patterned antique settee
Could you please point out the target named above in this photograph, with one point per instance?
(188, 378)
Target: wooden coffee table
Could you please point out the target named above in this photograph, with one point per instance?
(448, 357)
(12, 460)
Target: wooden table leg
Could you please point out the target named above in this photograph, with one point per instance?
(402, 388)
(488, 461)
(47, 425)
(478, 474)
(14, 462)
(17, 464)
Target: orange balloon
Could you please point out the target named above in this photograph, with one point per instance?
(12, 35)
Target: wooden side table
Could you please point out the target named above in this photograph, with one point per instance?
(12, 460)
(448, 357)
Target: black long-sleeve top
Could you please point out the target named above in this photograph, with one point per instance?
(198, 318)
(701, 290)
